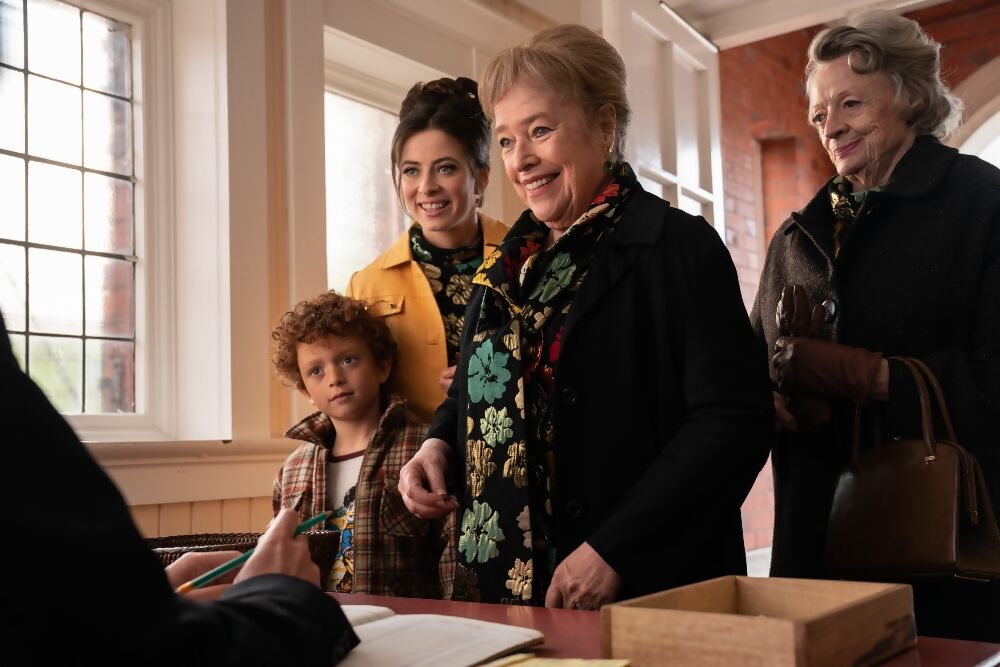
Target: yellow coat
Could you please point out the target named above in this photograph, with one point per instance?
(394, 286)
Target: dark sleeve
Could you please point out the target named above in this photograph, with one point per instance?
(708, 465)
(445, 424)
(970, 377)
(86, 587)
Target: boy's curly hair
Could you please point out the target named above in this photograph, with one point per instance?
(329, 314)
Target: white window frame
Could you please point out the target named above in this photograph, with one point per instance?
(153, 224)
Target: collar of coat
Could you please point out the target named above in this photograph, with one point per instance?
(401, 253)
(919, 172)
(318, 429)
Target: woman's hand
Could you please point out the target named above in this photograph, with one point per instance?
(815, 367)
(583, 581)
(447, 375)
(793, 316)
(281, 551)
(421, 481)
(194, 564)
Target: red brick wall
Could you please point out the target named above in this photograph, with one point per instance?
(764, 127)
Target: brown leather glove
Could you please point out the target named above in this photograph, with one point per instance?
(815, 367)
(793, 316)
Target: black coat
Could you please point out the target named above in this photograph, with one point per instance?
(82, 587)
(918, 275)
(664, 414)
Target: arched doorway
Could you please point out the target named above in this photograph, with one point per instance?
(980, 131)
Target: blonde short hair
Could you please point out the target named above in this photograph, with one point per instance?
(571, 59)
(881, 41)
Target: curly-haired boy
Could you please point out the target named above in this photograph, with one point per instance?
(338, 355)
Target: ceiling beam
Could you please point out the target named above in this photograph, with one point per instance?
(768, 18)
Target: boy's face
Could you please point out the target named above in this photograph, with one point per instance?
(341, 377)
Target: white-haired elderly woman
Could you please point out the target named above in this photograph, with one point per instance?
(899, 254)
(612, 410)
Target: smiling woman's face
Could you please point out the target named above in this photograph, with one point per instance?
(860, 122)
(552, 153)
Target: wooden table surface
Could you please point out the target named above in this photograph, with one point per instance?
(571, 633)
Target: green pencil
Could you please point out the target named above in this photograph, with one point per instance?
(217, 572)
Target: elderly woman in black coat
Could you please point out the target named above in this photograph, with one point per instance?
(898, 255)
(611, 411)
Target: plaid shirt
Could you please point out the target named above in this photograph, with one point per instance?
(395, 553)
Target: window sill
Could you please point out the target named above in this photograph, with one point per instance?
(154, 473)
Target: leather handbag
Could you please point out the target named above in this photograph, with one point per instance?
(907, 509)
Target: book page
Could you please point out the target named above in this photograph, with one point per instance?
(422, 640)
(359, 614)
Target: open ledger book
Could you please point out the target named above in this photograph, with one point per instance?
(415, 640)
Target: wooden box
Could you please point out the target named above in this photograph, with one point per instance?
(762, 621)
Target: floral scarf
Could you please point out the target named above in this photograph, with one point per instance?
(449, 273)
(506, 541)
(846, 205)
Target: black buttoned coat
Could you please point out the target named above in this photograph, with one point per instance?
(918, 275)
(663, 413)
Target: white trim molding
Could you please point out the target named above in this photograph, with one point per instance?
(154, 473)
(152, 68)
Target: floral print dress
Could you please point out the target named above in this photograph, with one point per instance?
(506, 537)
(449, 273)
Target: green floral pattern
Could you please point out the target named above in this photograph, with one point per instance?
(510, 380)
(555, 278)
(480, 533)
(488, 373)
(496, 426)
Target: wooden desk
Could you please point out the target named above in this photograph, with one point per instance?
(571, 633)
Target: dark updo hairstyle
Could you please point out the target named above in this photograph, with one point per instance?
(451, 106)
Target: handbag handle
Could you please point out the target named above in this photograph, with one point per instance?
(938, 393)
(970, 477)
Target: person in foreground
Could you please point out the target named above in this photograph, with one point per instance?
(82, 586)
(610, 412)
(421, 285)
(897, 255)
(338, 355)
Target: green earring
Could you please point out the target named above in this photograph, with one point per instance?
(608, 164)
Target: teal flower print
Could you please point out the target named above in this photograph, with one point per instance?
(419, 253)
(487, 373)
(557, 277)
(496, 426)
(480, 533)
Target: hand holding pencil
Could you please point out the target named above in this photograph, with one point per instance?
(280, 550)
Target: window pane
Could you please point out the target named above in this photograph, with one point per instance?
(107, 143)
(107, 55)
(56, 298)
(110, 376)
(54, 40)
(12, 32)
(12, 198)
(12, 294)
(358, 187)
(54, 130)
(11, 110)
(17, 343)
(110, 286)
(56, 365)
(107, 214)
(55, 215)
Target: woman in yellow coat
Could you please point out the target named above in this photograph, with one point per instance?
(421, 284)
